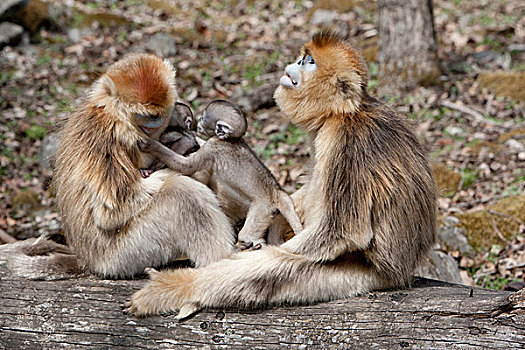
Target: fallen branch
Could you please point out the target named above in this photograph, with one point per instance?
(478, 117)
(6, 237)
(84, 313)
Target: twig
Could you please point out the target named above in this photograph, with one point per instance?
(463, 109)
(513, 218)
(6, 237)
(498, 232)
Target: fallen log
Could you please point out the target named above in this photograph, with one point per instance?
(85, 313)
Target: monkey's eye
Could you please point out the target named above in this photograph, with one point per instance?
(309, 64)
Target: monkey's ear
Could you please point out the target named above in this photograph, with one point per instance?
(349, 83)
(185, 113)
(109, 86)
(223, 130)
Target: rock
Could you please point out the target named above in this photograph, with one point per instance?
(488, 59)
(323, 17)
(508, 84)
(76, 34)
(440, 266)
(447, 179)
(452, 238)
(32, 15)
(506, 215)
(261, 97)
(10, 34)
(515, 145)
(9, 7)
(162, 45)
(454, 131)
(49, 147)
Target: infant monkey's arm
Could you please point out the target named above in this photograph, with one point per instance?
(184, 165)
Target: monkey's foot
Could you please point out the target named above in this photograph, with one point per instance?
(145, 173)
(166, 292)
(255, 245)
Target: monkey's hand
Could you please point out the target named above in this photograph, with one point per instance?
(146, 145)
(145, 173)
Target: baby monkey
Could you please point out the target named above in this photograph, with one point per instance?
(237, 175)
(178, 136)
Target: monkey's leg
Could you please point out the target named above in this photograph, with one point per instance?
(252, 234)
(270, 276)
(182, 219)
(288, 211)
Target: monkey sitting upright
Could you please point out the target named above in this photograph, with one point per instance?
(227, 156)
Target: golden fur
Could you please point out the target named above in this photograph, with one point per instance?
(116, 222)
(368, 207)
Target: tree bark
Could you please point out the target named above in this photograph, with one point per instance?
(84, 313)
(407, 45)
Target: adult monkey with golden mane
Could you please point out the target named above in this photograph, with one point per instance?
(116, 222)
(368, 207)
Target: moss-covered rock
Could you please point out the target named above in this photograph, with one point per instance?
(506, 215)
(446, 179)
(511, 134)
(27, 201)
(32, 15)
(507, 84)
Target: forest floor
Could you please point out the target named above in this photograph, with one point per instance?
(471, 120)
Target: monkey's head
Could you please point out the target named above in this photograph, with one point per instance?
(222, 119)
(139, 91)
(328, 79)
(182, 117)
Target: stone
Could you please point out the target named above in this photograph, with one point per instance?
(10, 34)
(454, 131)
(508, 84)
(48, 149)
(515, 145)
(323, 17)
(9, 7)
(453, 238)
(440, 266)
(162, 45)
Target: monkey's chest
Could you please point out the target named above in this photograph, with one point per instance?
(145, 160)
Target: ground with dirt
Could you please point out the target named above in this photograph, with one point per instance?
(471, 120)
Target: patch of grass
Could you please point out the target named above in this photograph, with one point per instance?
(497, 283)
(44, 59)
(251, 72)
(468, 176)
(374, 69)
(36, 132)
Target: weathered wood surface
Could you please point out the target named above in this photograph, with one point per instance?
(85, 313)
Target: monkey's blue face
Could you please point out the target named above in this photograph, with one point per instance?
(149, 123)
(295, 73)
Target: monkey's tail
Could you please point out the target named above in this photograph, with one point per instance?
(41, 259)
(288, 212)
(270, 276)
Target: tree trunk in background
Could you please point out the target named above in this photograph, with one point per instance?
(407, 45)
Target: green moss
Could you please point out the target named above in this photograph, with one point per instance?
(505, 214)
(508, 84)
(446, 179)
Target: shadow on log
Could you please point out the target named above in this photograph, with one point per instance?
(85, 313)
